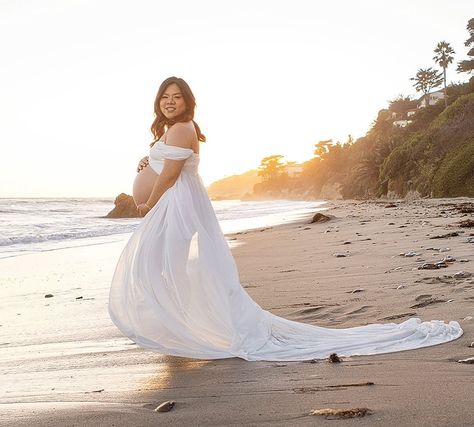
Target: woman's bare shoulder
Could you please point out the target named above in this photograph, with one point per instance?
(182, 134)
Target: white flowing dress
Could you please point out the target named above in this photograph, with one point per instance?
(176, 290)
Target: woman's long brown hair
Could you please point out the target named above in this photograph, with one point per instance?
(161, 123)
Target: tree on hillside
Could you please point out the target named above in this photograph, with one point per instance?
(444, 56)
(425, 80)
(321, 148)
(401, 104)
(271, 167)
(467, 65)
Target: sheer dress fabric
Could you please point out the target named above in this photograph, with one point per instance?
(176, 291)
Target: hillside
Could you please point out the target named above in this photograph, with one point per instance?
(233, 187)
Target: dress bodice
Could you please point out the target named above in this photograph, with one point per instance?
(161, 151)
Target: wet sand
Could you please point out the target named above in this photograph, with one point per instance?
(64, 363)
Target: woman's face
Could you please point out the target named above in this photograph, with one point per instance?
(172, 102)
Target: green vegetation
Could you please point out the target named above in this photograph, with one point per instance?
(426, 149)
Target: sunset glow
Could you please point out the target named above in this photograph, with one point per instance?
(79, 78)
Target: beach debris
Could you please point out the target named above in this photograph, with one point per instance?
(470, 240)
(445, 236)
(449, 258)
(444, 249)
(287, 271)
(332, 413)
(409, 254)
(400, 286)
(471, 345)
(98, 391)
(357, 290)
(339, 255)
(367, 383)
(391, 205)
(326, 387)
(79, 297)
(432, 249)
(466, 223)
(463, 260)
(391, 223)
(469, 360)
(462, 275)
(49, 296)
(334, 358)
(319, 217)
(432, 266)
(468, 318)
(428, 301)
(307, 228)
(399, 316)
(165, 406)
(347, 242)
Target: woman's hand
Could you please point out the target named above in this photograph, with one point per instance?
(142, 164)
(143, 209)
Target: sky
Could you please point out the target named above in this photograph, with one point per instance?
(78, 79)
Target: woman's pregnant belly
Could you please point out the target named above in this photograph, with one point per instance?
(143, 184)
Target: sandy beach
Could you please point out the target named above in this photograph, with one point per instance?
(64, 363)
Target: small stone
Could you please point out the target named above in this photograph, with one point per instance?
(469, 360)
(449, 258)
(470, 240)
(400, 286)
(409, 254)
(428, 266)
(339, 255)
(79, 297)
(165, 406)
(444, 249)
(49, 296)
(347, 243)
(462, 275)
(391, 223)
(357, 290)
(471, 345)
(463, 260)
(468, 318)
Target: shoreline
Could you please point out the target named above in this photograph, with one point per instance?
(81, 370)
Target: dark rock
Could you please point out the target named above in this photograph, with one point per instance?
(467, 223)
(49, 296)
(391, 205)
(125, 207)
(334, 358)
(165, 406)
(319, 217)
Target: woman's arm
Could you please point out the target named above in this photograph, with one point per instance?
(179, 135)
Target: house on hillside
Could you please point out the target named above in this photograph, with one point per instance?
(403, 119)
(433, 98)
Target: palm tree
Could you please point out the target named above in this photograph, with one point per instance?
(425, 80)
(444, 56)
(467, 65)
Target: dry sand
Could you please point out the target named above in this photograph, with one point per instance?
(63, 363)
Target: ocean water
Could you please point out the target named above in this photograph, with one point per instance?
(35, 224)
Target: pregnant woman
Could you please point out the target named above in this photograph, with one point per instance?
(176, 287)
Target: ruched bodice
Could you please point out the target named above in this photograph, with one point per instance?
(161, 151)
